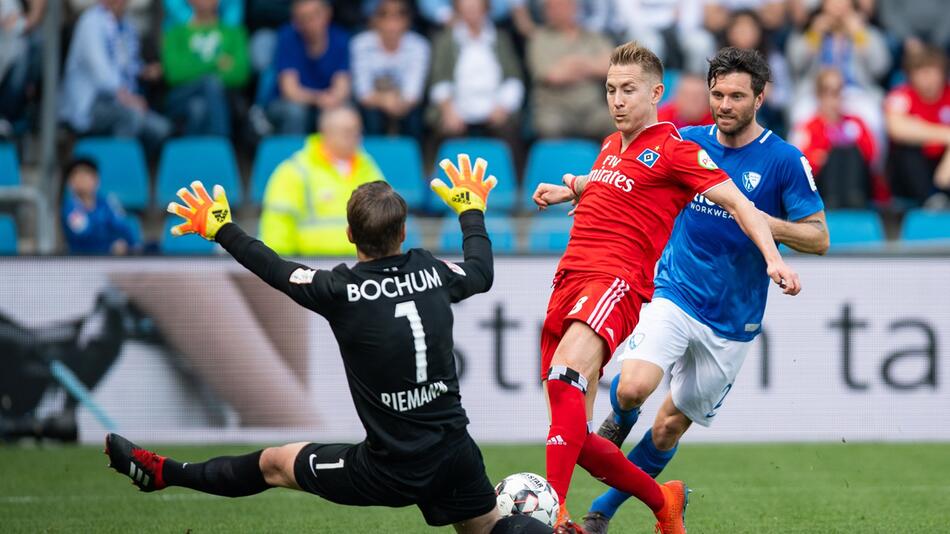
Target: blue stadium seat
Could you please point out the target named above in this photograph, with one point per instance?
(209, 159)
(501, 230)
(9, 165)
(549, 159)
(400, 160)
(926, 227)
(122, 168)
(855, 229)
(500, 164)
(270, 153)
(671, 78)
(8, 237)
(184, 245)
(549, 234)
(413, 234)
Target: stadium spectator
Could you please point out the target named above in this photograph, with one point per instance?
(916, 23)
(839, 147)
(442, 13)
(476, 78)
(567, 65)
(773, 14)
(100, 91)
(839, 37)
(746, 30)
(390, 65)
(145, 16)
(205, 61)
(918, 123)
(312, 63)
(304, 210)
(177, 12)
(14, 64)
(673, 29)
(690, 103)
(93, 222)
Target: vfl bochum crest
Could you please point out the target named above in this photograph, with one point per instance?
(750, 180)
(648, 158)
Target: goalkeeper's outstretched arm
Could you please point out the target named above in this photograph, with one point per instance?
(258, 258)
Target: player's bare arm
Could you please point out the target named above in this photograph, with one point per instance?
(756, 227)
(550, 194)
(808, 234)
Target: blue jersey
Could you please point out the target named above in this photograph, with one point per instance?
(710, 268)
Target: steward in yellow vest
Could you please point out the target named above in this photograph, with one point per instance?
(304, 211)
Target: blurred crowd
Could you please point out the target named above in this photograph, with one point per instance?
(860, 86)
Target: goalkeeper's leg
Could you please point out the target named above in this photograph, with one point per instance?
(228, 476)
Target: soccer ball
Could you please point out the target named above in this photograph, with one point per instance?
(527, 494)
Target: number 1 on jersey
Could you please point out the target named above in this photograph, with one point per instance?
(409, 311)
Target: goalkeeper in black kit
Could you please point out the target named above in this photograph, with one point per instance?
(392, 318)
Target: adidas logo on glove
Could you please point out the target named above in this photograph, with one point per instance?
(220, 215)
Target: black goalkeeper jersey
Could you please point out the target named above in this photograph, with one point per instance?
(393, 321)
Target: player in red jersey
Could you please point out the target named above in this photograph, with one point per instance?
(644, 176)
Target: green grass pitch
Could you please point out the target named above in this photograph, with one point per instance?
(814, 488)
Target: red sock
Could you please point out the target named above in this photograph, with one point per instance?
(566, 437)
(604, 461)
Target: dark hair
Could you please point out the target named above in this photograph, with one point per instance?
(731, 59)
(376, 215)
(633, 53)
(78, 162)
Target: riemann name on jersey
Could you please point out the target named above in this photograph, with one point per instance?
(410, 399)
(397, 286)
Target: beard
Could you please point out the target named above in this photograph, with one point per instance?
(740, 121)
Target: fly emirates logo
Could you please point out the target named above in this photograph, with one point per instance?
(608, 174)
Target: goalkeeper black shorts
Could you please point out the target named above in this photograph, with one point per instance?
(448, 485)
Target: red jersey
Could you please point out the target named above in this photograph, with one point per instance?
(903, 99)
(627, 209)
(816, 137)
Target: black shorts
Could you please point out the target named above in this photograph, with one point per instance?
(448, 485)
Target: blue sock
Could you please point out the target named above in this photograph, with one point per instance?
(622, 417)
(645, 456)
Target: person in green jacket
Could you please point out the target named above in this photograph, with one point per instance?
(205, 62)
(304, 211)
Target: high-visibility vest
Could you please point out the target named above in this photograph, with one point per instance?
(304, 211)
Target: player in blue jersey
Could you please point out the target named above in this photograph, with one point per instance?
(711, 281)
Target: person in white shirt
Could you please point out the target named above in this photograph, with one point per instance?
(389, 65)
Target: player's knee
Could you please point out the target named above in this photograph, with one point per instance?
(631, 393)
(274, 466)
(667, 432)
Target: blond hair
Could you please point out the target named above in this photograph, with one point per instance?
(633, 53)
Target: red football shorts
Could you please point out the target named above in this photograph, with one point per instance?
(606, 303)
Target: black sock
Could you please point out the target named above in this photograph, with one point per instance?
(228, 476)
(520, 524)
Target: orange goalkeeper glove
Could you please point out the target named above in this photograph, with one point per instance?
(469, 189)
(203, 215)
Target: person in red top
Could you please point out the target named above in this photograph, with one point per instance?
(917, 116)
(839, 147)
(644, 176)
(690, 106)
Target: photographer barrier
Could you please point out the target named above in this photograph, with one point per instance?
(197, 350)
